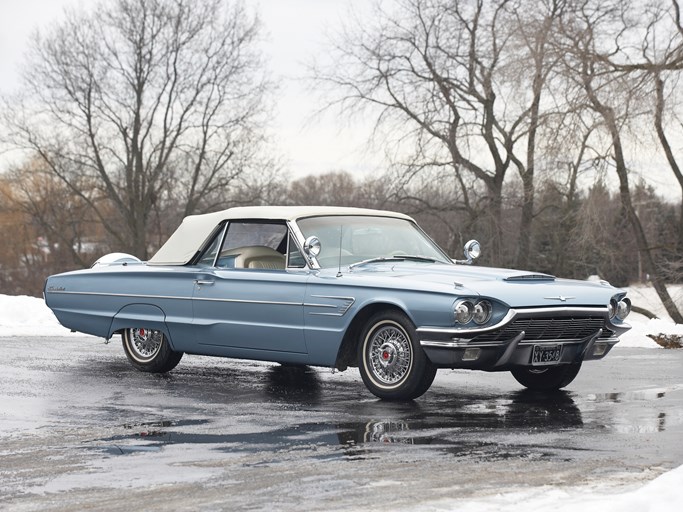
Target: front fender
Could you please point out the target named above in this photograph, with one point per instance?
(140, 315)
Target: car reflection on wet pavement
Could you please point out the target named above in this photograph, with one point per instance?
(75, 418)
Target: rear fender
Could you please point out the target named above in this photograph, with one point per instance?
(140, 315)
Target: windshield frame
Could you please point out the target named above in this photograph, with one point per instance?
(439, 254)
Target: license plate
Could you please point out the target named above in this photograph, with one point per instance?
(546, 354)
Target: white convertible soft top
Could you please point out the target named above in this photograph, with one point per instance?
(195, 229)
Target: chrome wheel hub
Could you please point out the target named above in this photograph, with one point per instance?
(145, 342)
(387, 356)
(390, 354)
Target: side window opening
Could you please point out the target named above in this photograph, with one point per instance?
(254, 245)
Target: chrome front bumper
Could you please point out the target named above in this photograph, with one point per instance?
(457, 347)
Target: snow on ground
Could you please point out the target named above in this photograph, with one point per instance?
(663, 494)
(28, 316)
(646, 297)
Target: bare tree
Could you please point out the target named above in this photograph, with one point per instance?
(138, 104)
(46, 230)
(596, 40)
(664, 139)
(662, 58)
(332, 188)
(535, 25)
(61, 219)
(450, 80)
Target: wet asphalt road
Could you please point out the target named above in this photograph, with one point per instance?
(79, 428)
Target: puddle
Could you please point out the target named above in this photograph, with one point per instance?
(463, 427)
(637, 395)
(522, 424)
(286, 438)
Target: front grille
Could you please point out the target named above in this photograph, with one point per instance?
(548, 329)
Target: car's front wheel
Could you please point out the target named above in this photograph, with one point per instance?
(391, 362)
(149, 351)
(547, 379)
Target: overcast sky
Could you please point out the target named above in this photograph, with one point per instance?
(295, 34)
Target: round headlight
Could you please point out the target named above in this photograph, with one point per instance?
(623, 309)
(464, 310)
(482, 312)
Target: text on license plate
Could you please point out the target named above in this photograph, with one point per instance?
(546, 354)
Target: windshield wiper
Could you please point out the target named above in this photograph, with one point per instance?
(398, 257)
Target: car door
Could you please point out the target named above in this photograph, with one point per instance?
(246, 297)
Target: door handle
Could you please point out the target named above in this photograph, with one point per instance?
(200, 282)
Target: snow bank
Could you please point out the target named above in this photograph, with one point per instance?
(646, 297)
(641, 327)
(663, 494)
(28, 316)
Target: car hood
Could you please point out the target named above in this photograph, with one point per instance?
(516, 288)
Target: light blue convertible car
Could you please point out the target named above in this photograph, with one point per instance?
(338, 287)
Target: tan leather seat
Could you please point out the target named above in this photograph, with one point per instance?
(257, 257)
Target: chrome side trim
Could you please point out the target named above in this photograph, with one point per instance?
(207, 299)
(313, 305)
(342, 308)
(247, 301)
(132, 295)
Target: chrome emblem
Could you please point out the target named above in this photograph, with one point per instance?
(561, 298)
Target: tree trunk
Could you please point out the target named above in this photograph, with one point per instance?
(661, 134)
(526, 221)
(638, 231)
(495, 225)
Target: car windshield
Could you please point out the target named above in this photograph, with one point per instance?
(369, 238)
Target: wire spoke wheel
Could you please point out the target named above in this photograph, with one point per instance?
(390, 354)
(391, 361)
(149, 350)
(145, 343)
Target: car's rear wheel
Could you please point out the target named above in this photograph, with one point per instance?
(547, 379)
(391, 362)
(149, 351)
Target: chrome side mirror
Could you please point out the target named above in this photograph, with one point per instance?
(472, 252)
(312, 246)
